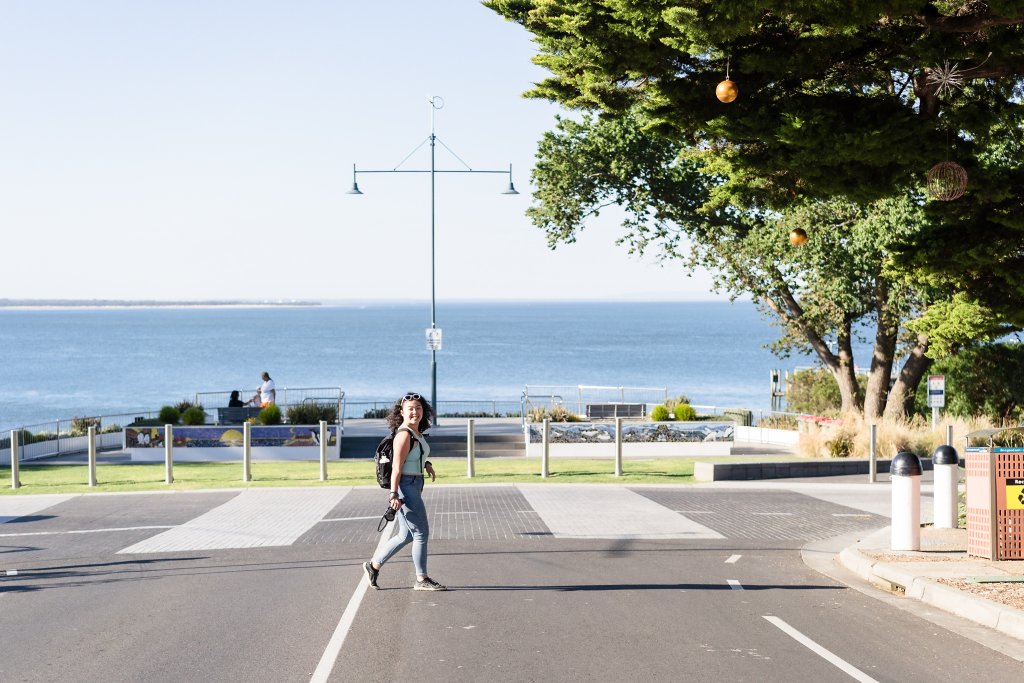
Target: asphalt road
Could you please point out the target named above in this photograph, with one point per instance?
(85, 597)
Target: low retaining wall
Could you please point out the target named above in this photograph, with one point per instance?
(224, 443)
(639, 439)
(774, 437)
(742, 471)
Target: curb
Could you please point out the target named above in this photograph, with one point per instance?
(994, 615)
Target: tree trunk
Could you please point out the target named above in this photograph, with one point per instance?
(882, 356)
(901, 397)
(843, 370)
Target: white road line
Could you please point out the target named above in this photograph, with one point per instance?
(733, 559)
(694, 512)
(848, 514)
(347, 519)
(735, 585)
(12, 572)
(84, 531)
(330, 656)
(835, 660)
(773, 514)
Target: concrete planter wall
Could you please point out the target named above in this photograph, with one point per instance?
(224, 443)
(777, 437)
(643, 439)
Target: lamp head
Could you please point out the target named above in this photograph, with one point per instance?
(355, 189)
(511, 189)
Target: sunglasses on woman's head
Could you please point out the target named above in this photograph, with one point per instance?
(411, 397)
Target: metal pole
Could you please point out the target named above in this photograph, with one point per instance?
(470, 449)
(873, 454)
(92, 455)
(618, 447)
(935, 418)
(246, 451)
(15, 454)
(168, 454)
(949, 435)
(545, 448)
(323, 450)
(433, 290)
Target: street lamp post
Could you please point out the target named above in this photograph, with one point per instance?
(434, 333)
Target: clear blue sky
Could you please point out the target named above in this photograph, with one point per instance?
(201, 149)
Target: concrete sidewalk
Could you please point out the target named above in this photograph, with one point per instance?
(943, 575)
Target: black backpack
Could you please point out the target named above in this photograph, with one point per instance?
(385, 454)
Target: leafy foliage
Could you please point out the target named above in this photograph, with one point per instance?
(169, 415)
(660, 413)
(270, 415)
(193, 415)
(982, 381)
(312, 413)
(685, 412)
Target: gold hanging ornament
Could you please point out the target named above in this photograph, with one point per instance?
(797, 236)
(727, 91)
(947, 180)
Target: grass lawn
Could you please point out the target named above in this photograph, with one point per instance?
(43, 478)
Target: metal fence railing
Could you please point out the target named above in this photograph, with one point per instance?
(285, 396)
(576, 398)
(473, 408)
(70, 436)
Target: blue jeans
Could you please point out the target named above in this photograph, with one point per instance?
(412, 525)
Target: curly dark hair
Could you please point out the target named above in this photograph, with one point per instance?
(394, 417)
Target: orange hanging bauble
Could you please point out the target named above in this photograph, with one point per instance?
(727, 91)
(797, 236)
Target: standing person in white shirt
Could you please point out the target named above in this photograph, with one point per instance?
(266, 395)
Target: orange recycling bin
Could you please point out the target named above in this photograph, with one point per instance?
(995, 494)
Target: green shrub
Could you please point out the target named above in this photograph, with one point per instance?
(685, 412)
(80, 425)
(816, 392)
(111, 428)
(193, 415)
(185, 404)
(660, 414)
(271, 415)
(562, 414)
(311, 413)
(376, 413)
(984, 381)
(169, 415)
(673, 402)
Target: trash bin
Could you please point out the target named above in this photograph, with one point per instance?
(995, 494)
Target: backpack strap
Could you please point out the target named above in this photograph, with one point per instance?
(412, 435)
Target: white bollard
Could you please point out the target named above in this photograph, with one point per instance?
(168, 454)
(323, 450)
(92, 455)
(246, 451)
(15, 464)
(618, 447)
(905, 475)
(545, 450)
(470, 449)
(947, 494)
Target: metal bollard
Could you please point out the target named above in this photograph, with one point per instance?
(323, 450)
(947, 493)
(246, 451)
(92, 455)
(470, 449)
(873, 454)
(546, 450)
(618, 447)
(168, 454)
(905, 475)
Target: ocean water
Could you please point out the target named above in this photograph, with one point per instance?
(71, 362)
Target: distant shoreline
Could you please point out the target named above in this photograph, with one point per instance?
(113, 304)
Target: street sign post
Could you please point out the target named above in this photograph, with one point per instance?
(936, 396)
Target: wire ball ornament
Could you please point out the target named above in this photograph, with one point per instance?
(947, 181)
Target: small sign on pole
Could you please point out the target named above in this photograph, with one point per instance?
(433, 339)
(936, 391)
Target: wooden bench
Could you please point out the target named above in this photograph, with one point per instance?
(597, 411)
(236, 416)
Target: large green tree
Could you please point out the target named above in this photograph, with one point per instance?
(837, 100)
(842, 283)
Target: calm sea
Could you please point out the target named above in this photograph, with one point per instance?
(63, 363)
